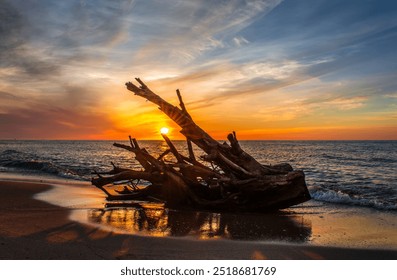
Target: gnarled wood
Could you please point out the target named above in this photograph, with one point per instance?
(228, 179)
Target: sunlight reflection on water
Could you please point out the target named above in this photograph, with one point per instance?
(150, 219)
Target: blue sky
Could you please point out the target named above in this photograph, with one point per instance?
(268, 69)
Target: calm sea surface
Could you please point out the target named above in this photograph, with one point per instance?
(356, 173)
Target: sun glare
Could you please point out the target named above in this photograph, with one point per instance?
(164, 130)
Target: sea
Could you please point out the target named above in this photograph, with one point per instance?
(355, 173)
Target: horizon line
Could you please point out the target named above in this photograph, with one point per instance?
(16, 139)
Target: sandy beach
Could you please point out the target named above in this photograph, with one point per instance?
(35, 229)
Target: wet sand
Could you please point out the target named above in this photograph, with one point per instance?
(34, 229)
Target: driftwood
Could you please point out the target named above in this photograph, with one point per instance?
(225, 178)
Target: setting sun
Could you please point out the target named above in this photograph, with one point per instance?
(164, 130)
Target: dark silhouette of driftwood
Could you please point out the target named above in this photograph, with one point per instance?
(226, 178)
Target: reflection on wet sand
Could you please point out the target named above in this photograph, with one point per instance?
(155, 220)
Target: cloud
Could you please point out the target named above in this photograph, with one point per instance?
(76, 55)
(271, 70)
(391, 95)
(286, 111)
(290, 109)
(240, 41)
(183, 30)
(52, 123)
(7, 100)
(347, 103)
(8, 96)
(14, 51)
(10, 29)
(40, 39)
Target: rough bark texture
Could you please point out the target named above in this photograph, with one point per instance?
(228, 178)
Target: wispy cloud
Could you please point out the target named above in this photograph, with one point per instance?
(240, 41)
(270, 60)
(185, 30)
(53, 123)
(40, 38)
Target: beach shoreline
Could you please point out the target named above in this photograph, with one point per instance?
(32, 228)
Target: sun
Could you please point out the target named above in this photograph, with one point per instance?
(164, 130)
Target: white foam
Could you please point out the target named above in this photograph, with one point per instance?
(343, 198)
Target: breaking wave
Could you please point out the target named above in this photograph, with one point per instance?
(16, 160)
(339, 197)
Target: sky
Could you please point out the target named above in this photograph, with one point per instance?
(271, 69)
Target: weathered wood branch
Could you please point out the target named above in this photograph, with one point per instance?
(154, 177)
(173, 149)
(190, 149)
(182, 105)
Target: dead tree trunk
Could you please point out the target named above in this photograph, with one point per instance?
(234, 182)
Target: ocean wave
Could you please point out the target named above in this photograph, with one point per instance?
(10, 152)
(348, 158)
(339, 197)
(383, 160)
(30, 162)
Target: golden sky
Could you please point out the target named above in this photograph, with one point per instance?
(270, 69)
